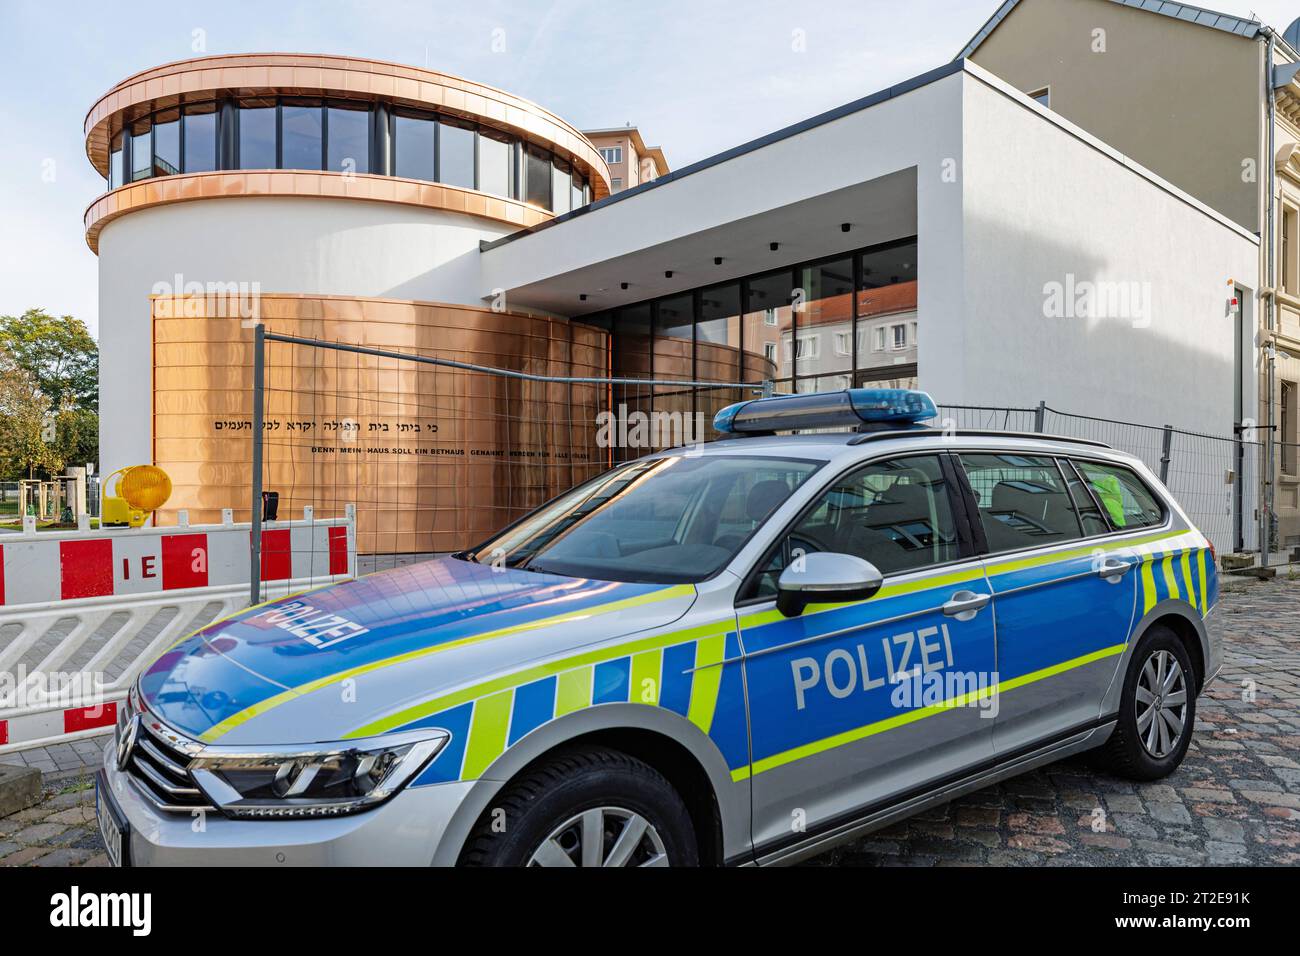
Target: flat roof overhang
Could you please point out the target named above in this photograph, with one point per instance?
(879, 210)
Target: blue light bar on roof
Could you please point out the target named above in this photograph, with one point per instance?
(850, 408)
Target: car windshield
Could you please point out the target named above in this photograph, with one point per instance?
(670, 520)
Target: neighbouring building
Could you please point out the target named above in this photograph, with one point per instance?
(630, 161)
(940, 233)
(1211, 103)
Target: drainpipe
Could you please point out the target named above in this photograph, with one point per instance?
(1270, 313)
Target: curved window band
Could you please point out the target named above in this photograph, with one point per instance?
(360, 137)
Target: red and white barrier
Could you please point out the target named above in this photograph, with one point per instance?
(84, 611)
(67, 565)
(54, 726)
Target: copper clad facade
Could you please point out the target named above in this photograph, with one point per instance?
(285, 182)
(435, 459)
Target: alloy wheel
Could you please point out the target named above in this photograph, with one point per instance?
(602, 836)
(1161, 704)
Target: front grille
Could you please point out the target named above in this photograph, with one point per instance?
(159, 771)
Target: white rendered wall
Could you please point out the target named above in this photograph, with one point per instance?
(309, 246)
(1042, 204)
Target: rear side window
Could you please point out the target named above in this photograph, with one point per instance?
(1127, 501)
(1023, 501)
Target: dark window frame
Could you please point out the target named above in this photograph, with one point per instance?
(237, 131)
(121, 137)
(506, 139)
(404, 112)
(180, 141)
(456, 122)
(216, 135)
(344, 104)
(279, 131)
(538, 152)
(977, 518)
(129, 172)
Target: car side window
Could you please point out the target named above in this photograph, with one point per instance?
(896, 514)
(1128, 502)
(1023, 500)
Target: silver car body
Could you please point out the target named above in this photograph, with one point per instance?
(794, 765)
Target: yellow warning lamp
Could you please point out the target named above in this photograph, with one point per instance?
(140, 490)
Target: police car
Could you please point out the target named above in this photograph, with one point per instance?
(738, 653)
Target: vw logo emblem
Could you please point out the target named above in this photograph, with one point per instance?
(126, 741)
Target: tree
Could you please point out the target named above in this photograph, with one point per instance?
(58, 352)
(77, 435)
(23, 412)
(50, 367)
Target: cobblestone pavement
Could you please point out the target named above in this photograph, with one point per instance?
(60, 831)
(58, 760)
(1235, 799)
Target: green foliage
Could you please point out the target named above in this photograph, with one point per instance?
(49, 371)
(58, 352)
(23, 409)
(77, 435)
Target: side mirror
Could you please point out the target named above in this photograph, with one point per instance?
(825, 577)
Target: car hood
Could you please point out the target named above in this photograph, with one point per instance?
(315, 666)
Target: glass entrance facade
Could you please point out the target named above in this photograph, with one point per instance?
(839, 322)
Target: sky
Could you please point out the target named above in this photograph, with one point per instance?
(696, 77)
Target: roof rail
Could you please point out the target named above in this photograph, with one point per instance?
(865, 437)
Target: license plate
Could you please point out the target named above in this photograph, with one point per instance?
(113, 828)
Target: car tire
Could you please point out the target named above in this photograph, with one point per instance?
(1140, 748)
(548, 815)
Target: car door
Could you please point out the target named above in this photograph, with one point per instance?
(851, 705)
(1063, 594)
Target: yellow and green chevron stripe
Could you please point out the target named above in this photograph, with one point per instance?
(683, 671)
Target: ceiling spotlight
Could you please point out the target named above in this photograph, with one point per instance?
(774, 246)
(844, 227)
(717, 260)
(582, 297)
(668, 274)
(622, 285)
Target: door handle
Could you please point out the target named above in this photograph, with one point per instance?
(1112, 569)
(964, 605)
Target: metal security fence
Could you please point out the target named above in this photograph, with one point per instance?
(989, 417)
(438, 454)
(1215, 478)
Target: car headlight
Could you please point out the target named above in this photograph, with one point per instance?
(320, 780)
